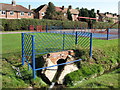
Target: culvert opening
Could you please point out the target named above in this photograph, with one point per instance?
(61, 67)
(59, 70)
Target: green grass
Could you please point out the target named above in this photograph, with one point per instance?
(110, 80)
(47, 42)
(11, 54)
(11, 43)
(103, 44)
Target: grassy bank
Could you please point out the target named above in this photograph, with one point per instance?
(14, 75)
(109, 80)
(105, 58)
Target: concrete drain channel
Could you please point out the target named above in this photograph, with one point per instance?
(58, 65)
(58, 73)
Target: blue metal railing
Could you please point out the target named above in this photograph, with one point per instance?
(59, 64)
(38, 43)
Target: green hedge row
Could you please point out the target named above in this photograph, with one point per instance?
(23, 24)
(104, 25)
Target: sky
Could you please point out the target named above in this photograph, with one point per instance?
(102, 5)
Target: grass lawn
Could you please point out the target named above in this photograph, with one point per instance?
(109, 80)
(11, 43)
(11, 50)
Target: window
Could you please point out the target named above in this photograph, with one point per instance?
(0, 12)
(29, 14)
(64, 14)
(3, 12)
(11, 12)
(43, 13)
(22, 13)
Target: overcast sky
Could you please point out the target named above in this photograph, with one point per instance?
(102, 5)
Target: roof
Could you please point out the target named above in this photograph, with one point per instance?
(73, 11)
(14, 8)
(39, 8)
(103, 15)
(60, 9)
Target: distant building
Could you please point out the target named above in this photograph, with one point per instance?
(105, 17)
(40, 12)
(13, 11)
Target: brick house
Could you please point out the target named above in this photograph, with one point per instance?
(13, 11)
(104, 17)
(40, 12)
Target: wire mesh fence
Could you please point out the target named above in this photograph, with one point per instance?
(27, 48)
(37, 43)
(105, 34)
(97, 33)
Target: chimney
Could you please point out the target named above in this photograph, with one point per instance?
(62, 7)
(69, 7)
(113, 15)
(13, 2)
(29, 7)
(98, 11)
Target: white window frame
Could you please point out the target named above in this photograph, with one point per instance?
(43, 14)
(12, 13)
(22, 13)
(29, 14)
(3, 13)
(0, 12)
(65, 14)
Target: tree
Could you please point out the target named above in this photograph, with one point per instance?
(92, 13)
(50, 11)
(78, 8)
(84, 13)
(69, 15)
(59, 16)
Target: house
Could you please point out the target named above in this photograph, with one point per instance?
(114, 17)
(14, 11)
(40, 12)
(106, 17)
(101, 17)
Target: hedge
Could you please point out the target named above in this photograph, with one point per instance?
(104, 25)
(23, 24)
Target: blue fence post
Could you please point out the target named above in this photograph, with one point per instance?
(33, 58)
(90, 45)
(22, 48)
(46, 28)
(63, 40)
(76, 38)
(108, 33)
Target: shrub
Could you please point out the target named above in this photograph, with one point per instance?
(104, 25)
(1, 28)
